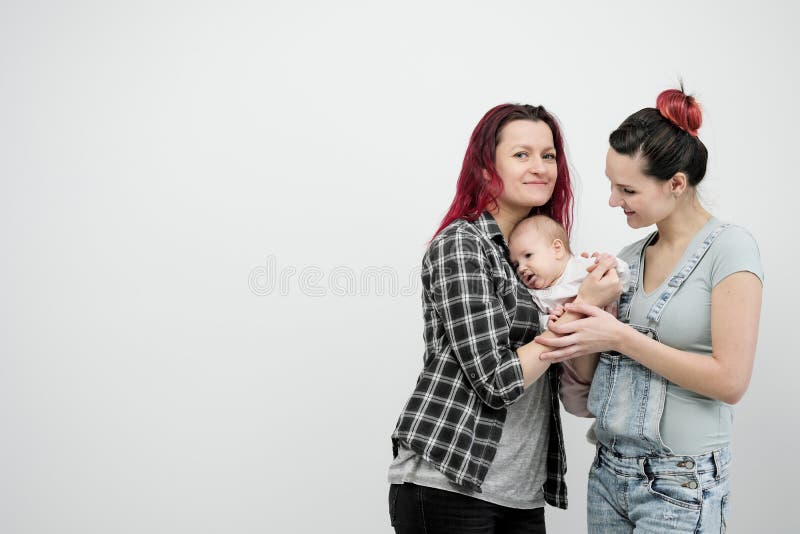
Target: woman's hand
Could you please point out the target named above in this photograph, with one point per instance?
(602, 285)
(597, 332)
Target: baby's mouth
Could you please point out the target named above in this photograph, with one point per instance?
(529, 279)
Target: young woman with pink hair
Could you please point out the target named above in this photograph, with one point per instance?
(478, 446)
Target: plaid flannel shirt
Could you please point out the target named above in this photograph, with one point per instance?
(476, 315)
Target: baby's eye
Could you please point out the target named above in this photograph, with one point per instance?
(528, 255)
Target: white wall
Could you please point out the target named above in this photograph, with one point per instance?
(161, 163)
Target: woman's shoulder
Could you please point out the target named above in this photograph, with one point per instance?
(630, 252)
(735, 249)
(736, 235)
(458, 232)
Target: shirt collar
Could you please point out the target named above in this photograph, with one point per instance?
(489, 227)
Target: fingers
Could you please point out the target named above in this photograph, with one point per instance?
(566, 328)
(600, 269)
(561, 355)
(554, 342)
(584, 309)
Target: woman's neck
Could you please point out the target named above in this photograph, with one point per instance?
(507, 218)
(678, 229)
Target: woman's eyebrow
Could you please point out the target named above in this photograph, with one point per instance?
(528, 147)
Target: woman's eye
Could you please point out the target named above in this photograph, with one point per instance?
(520, 155)
(628, 191)
(549, 156)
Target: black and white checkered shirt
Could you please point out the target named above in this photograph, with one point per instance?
(476, 314)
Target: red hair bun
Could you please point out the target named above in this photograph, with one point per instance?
(680, 109)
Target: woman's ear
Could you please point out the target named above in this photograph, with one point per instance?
(485, 175)
(678, 183)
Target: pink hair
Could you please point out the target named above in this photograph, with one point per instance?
(474, 194)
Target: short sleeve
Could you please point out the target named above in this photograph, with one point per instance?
(735, 250)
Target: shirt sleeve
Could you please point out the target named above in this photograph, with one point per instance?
(735, 250)
(574, 392)
(463, 293)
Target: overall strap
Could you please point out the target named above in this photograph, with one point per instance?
(677, 281)
(635, 264)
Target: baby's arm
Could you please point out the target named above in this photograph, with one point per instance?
(576, 378)
(583, 367)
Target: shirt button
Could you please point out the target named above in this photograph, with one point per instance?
(473, 375)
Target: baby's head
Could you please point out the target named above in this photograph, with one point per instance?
(539, 250)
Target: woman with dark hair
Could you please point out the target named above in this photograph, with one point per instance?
(478, 446)
(682, 350)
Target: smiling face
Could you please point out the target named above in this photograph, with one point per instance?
(538, 260)
(525, 159)
(644, 199)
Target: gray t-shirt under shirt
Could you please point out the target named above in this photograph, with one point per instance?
(692, 423)
(518, 471)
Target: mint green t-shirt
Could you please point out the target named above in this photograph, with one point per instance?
(692, 423)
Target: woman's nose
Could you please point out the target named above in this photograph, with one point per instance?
(536, 165)
(613, 200)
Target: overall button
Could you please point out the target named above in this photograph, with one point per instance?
(689, 464)
(691, 485)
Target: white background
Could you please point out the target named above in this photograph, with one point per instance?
(163, 165)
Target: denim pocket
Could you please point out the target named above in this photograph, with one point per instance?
(680, 490)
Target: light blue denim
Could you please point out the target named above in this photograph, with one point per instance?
(658, 495)
(637, 484)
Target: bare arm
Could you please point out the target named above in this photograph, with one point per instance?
(600, 286)
(725, 375)
(529, 355)
(735, 311)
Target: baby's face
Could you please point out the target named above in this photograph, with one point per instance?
(538, 262)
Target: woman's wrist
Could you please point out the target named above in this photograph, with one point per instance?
(623, 339)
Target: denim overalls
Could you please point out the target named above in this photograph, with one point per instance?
(636, 480)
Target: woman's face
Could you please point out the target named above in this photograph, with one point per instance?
(644, 199)
(525, 159)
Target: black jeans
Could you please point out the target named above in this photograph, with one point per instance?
(421, 510)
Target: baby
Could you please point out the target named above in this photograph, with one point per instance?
(541, 255)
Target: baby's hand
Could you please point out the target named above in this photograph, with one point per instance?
(598, 257)
(601, 285)
(555, 313)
